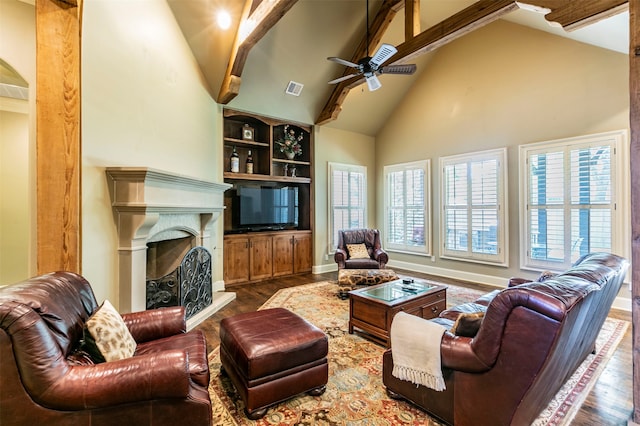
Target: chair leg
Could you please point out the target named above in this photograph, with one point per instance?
(256, 414)
(394, 395)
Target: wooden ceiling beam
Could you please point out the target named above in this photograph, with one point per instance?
(573, 14)
(411, 19)
(254, 24)
(569, 13)
(471, 18)
(378, 27)
(476, 15)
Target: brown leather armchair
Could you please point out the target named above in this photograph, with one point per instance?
(47, 380)
(532, 338)
(378, 258)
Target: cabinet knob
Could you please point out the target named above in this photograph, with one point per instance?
(434, 309)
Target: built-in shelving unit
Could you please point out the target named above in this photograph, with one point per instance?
(257, 255)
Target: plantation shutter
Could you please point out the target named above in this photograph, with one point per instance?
(473, 198)
(570, 203)
(406, 225)
(348, 199)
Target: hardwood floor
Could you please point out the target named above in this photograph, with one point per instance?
(610, 402)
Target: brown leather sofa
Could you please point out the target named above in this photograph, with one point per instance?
(378, 258)
(46, 380)
(532, 338)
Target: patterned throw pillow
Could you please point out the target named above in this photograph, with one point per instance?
(106, 336)
(357, 251)
(467, 324)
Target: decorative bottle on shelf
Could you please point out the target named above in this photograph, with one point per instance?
(249, 163)
(235, 161)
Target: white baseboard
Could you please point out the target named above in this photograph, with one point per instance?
(322, 269)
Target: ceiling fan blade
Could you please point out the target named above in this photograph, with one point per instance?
(385, 51)
(398, 69)
(343, 78)
(343, 62)
(373, 83)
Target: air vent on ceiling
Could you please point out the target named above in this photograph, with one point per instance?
(294, 88)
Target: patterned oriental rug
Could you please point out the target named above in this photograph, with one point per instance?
(355, 393)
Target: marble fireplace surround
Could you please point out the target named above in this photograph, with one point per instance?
(151, 205)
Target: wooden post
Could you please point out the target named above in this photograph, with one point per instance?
(634, 158)
(58, 135)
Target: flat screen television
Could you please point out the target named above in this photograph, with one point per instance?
(265, 207)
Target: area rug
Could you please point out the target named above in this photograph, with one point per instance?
(355, 394)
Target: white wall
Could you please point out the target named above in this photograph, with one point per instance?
(17, 146)
(338, 146)
(501, 86)
(14, 197)
(144, 103)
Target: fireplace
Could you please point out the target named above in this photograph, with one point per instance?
(164, 215)
(178, 275)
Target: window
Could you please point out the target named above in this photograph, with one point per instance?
(474, 200)
(347, 199)
(569, 199)
(408, 224)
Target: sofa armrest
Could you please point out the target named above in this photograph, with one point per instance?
(140, 378)
(340, 256)
(154, 324)
(457, 354)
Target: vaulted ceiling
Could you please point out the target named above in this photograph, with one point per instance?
(273, 42)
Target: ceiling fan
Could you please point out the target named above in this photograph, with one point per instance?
(371, 66)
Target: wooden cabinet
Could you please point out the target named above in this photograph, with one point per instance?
(236, 259)
(302, 258)
(247, 258)
(255, 256)
(260, 256)
(291, 253)
(283, 254)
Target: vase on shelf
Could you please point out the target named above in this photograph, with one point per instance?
(290, 155)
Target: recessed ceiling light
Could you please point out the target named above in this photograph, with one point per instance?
(224, 19)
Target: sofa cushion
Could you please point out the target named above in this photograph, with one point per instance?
(468, 324)
(357, 251)
(106, 337)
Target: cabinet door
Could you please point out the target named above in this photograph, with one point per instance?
(260, 257)
(236, 260)
(302, 253)
(282, 255)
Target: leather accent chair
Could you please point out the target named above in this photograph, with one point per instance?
(532, 338)
(47, 380)
(378, 258)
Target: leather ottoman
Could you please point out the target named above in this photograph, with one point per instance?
(349, 279)
(272, 355)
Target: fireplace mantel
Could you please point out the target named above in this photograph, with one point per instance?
(148, 203)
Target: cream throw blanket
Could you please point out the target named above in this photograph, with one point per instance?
(415, 344)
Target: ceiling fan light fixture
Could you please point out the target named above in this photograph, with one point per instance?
(370, 66)
(373, 83)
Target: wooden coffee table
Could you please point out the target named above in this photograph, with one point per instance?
(371, 309)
